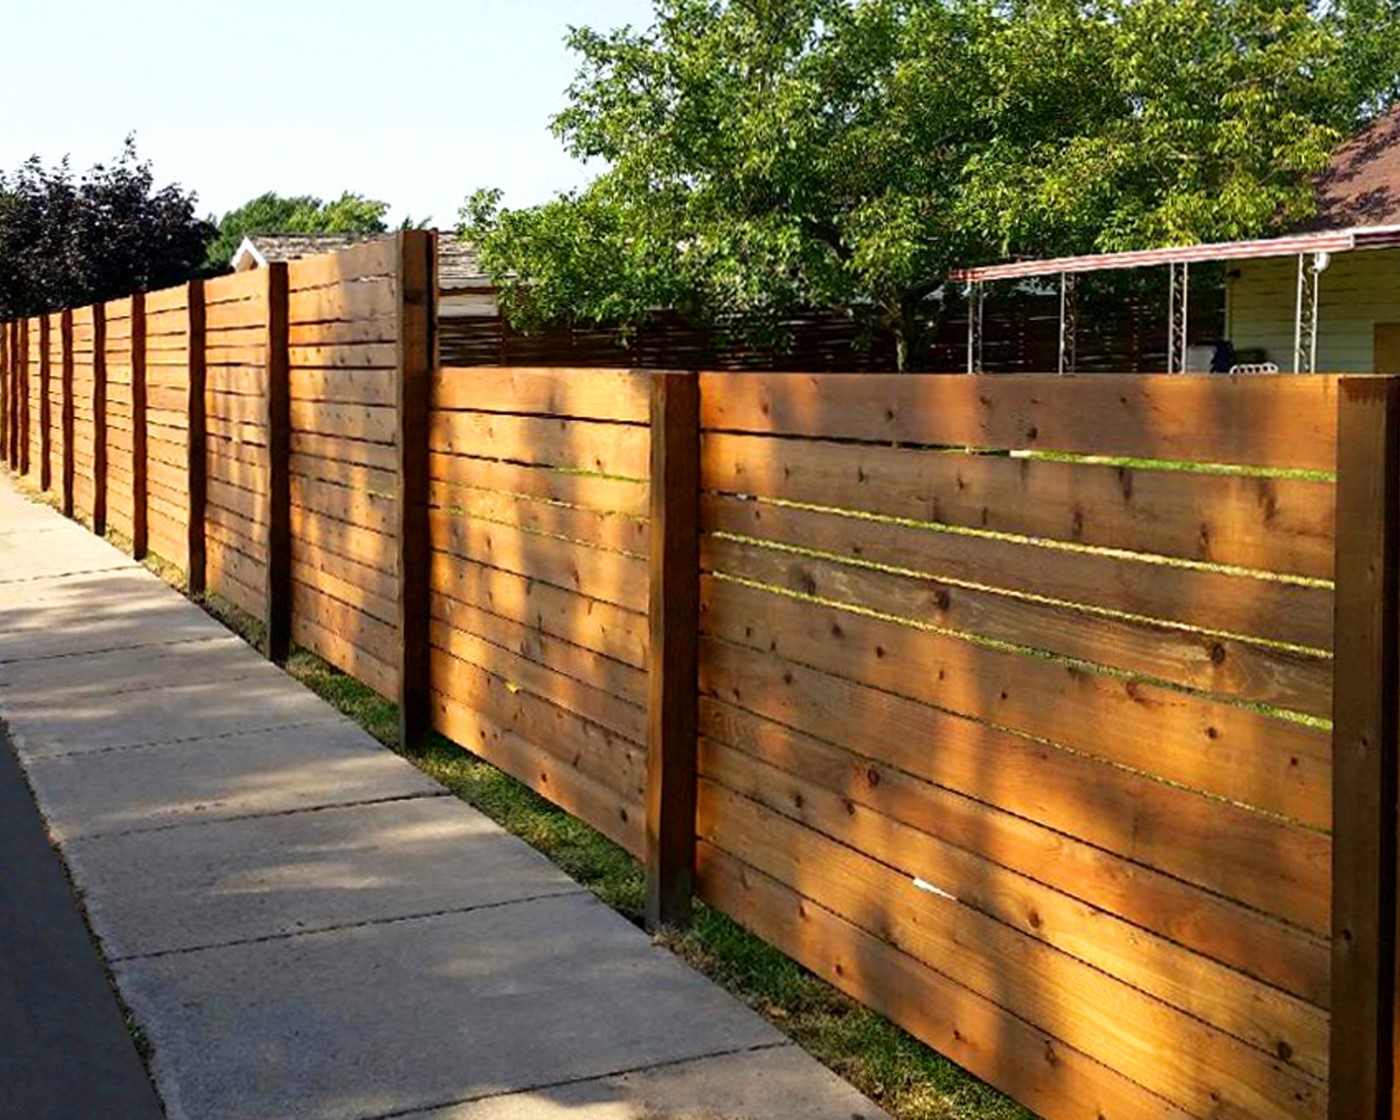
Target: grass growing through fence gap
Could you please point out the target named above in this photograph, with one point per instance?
(896, 1070)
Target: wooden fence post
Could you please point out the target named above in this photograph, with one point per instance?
(279, 478)
(196, 448)
(1366, 691)
(99, 419)
(45, 408)
(66, 330)
(673, 624)
(417, 356)
(140, 522)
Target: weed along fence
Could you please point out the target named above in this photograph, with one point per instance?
(1031, 747)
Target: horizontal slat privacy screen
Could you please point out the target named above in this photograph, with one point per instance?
(1012, 716)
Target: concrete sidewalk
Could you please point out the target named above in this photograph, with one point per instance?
(302, 923)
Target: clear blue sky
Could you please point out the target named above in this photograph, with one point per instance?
(413, 101)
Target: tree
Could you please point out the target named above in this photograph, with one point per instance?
(768, 156)
(65, 242)
(273, 213)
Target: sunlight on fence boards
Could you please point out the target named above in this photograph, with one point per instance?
(1013, 711)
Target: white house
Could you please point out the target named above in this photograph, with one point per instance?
(1358, 293)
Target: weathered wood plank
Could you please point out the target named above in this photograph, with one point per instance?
(1275, 524)
(1283, 422)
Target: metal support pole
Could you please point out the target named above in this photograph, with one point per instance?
(1177, 325)
(1069, 320)
(1310, 267)
(976, 297)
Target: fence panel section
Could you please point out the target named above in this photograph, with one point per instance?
(53, 407)
(343, 354)
(33, 397)
(236, 516)
(121, 443)
(1012, 699)
(168, 422)
(86, 365)
(539, 593)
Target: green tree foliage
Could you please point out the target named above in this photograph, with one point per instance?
(765, 156)
(273, 213)
(66, 241)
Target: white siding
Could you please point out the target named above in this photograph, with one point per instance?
(1357, 291)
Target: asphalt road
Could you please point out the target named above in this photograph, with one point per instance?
(64, 1048)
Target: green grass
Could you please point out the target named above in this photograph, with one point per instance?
(901, 1074)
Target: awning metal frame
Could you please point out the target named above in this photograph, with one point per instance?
(1069, 321)
(976, 298)
(1178, 316)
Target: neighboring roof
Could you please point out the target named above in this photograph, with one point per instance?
(258, 250)
(1329, 241)
(458, 265)
(1362, 185)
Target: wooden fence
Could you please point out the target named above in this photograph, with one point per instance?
(1005, 704)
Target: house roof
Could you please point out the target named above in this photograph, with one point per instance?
(458, 265)
(1361, 187)
(258, 250)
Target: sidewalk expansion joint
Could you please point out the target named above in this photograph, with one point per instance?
(131, 688)
(119, 747)
(66, 841)
(420, 1110)
(342, 926)
(129, 566)
(130, 648)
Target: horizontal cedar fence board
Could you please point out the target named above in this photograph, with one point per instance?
(1172, 1054)
(360, 332)
(539, 646)
(605, 495)
(308, 633)
(619, 450)
(237, 315)
(1260, 421)
(345, 621)
(607, 759)
(1217, 601)
(356, 476)
(236, 287)
(529, 674)
(1260, 673)
(619, 818)
(166, 300)
(1226, 999)
(1276, 524)
(356, 585)
(344, 421)
(1227, 751)
(1179, 911)
(594, 394)
(601, 530)
(342, 503)
(380, 456)
(604, 628)
(235, 577)
(1039, 1070)
(1273, 866)
(342, 386)
(362, 299)
(363, 546)
(612, 577)
(371, 259)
